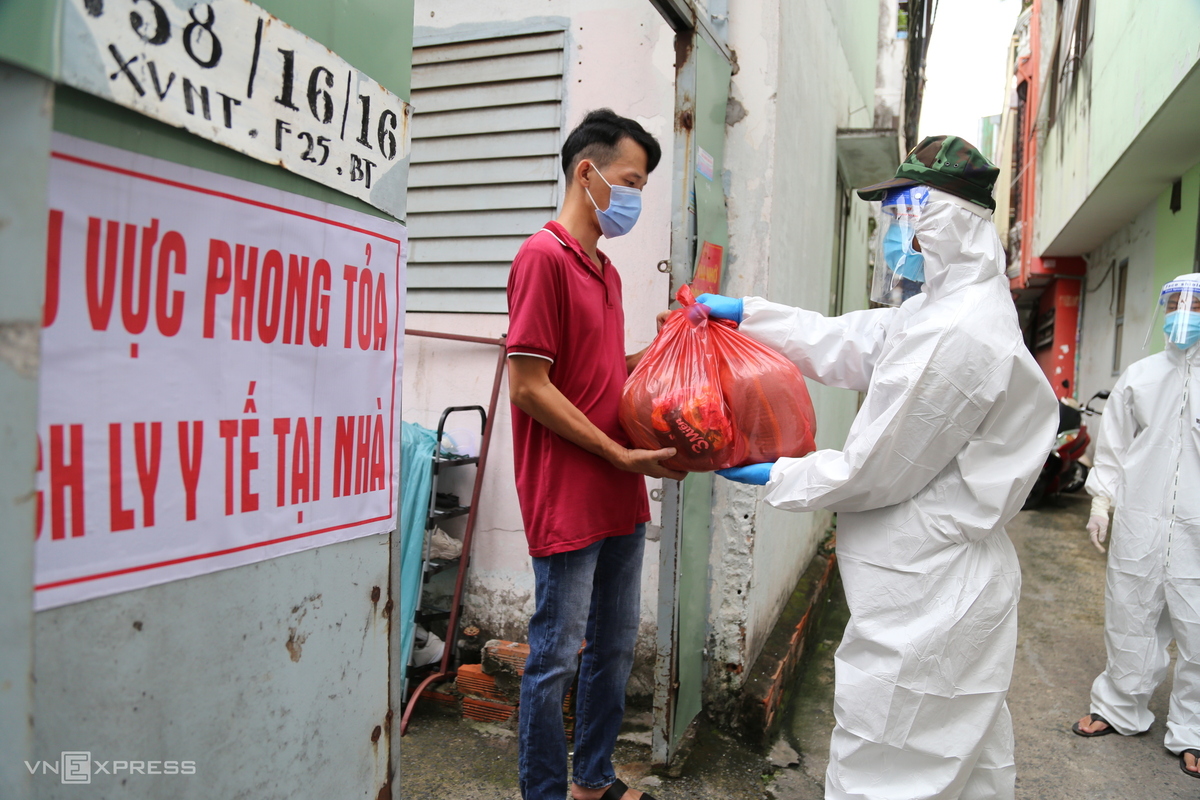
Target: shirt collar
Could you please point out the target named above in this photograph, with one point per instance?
(571, 243)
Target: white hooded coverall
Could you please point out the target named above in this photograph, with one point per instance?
(955, 426)
(1148, 463)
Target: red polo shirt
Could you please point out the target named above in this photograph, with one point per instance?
(564, 308)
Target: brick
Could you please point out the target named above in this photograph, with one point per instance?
(502, 656)
(486, 710)
(766, 688)
(473, 682)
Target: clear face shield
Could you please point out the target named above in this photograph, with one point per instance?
(899, 267)
(1179, 312)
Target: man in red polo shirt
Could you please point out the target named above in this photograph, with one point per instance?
(581, 488)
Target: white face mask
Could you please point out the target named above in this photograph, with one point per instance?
(624, 207)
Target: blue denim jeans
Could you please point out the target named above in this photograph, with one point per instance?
(593, 594)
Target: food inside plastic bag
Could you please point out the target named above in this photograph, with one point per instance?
(695, 421)
(717, 396)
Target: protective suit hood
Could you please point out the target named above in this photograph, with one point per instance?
(1180, 356)
(960, 244)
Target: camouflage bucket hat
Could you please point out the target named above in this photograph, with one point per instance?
(947, 163)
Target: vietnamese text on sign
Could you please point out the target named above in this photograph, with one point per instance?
(220, 373)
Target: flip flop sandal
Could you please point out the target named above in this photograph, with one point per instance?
(617, 789)
(1078, 731)
(1183, 763)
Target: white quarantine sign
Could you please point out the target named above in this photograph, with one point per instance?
(228, 71)
(220, 374)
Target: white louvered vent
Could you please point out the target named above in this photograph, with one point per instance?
(485, 164)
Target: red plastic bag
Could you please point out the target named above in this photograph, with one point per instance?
(717, 396)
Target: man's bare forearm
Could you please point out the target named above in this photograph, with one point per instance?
(545, 403)
(532, 391)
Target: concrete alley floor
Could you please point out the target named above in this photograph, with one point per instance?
(1060, 650)
(446, 758)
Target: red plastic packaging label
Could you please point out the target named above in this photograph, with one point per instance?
(717, 396)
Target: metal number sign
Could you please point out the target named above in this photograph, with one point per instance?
(230, 72)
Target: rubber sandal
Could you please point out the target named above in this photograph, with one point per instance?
(616, 790)
(1078, 731)
(1183, 762)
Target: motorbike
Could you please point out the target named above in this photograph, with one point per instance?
(1066, 468)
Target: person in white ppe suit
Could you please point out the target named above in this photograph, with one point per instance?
(1147, 465)
(955, 426)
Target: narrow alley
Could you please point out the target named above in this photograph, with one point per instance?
(377, 376)
(1060, 651)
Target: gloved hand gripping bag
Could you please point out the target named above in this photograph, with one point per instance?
(674, 398)
(759, 411)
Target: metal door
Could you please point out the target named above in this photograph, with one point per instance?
(698, 219)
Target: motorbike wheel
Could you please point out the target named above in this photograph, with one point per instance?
(1075, 478)
(1038, 493)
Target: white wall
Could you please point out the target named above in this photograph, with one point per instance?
(889, 69)
(620, 54)
(1134, 241)
(797, 86)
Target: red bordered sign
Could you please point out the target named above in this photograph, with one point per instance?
(220, 374)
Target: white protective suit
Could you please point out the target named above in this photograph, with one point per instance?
(956, 424)
(1148, 463)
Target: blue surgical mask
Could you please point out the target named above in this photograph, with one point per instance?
(901, 258)
(1190, 332)
(624, 207)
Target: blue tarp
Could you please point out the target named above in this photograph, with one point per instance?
(415, 479)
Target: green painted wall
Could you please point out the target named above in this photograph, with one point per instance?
(1174, 239)
(1140, 52)
(28, 32)
(1138, 57)
(373, 35)
(24, 164)
(1175, 231)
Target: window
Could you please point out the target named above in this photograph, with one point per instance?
(1020, 135)
(1043, 335)
(1081, 36)
(902, 20)
(1055, 66)
(1119, 301)
(485, 168)
(1074, 36)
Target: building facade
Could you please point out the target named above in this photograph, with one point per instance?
(1104, 170)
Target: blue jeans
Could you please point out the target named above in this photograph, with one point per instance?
(593, 594)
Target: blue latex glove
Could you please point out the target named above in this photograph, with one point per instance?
(722, 307)
(753, 474)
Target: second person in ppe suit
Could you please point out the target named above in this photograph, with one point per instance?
(956, 423)
(1147, 465)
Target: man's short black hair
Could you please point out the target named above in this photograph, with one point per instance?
(597, 137)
